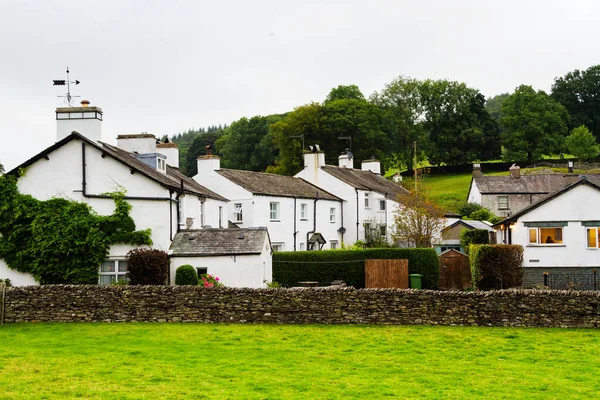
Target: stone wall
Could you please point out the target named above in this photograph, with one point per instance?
(532, 308)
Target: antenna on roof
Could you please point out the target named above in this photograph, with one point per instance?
(62, 82)
(349, 139)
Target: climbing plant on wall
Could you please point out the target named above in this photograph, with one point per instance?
(61, 240)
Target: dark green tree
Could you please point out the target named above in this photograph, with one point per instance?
(1, 168)
(459, 127)
(494, 107)
(533, 125)
(579, 93)
(344, 93)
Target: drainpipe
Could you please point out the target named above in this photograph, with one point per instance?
(357, 223)
(295, 231)
(342, 230)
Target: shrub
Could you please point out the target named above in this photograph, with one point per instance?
(496, 266)
(475, 236)
(147, 267)
(467, 209)
(7, 282)
(325, 266)
(186, 275)
(208, 280)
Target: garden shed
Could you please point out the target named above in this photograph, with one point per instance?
(455, 270)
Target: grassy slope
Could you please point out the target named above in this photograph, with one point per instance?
(138, 361)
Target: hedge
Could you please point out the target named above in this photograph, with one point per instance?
(496, 266)
(325, 266)
(475, 236)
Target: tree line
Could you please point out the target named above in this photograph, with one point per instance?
(450, 122)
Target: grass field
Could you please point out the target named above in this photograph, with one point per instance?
(160, 361)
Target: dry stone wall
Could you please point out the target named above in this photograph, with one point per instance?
(531, 308)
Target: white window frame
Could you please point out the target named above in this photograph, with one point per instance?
(278, 246)
(539, 239)
(221, 217)
(503, 203)
(303, 211)
(238, 215)
(161, 164)
(117, 273)
(302, 247)
(382, 230)
(332, 215)
(274, 211)
(333, 244)
(202, 214)
(382, 205)
(587, 235)
(180, 207)
(367, 201)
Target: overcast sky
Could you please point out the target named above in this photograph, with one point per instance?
(166, 66)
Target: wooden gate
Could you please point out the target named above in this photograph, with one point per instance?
(455, 271)
(386, 274)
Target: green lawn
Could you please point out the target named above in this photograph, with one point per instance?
(141, 361)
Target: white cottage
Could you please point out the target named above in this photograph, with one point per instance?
(370, 200)
(238, 257)
(298, 215)
(80, 167)
(560, 233)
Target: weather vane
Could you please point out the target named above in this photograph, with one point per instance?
(67, 82)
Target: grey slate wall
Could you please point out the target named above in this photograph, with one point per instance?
(532, 308)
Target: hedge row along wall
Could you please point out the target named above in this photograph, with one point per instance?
(87, 303)
(325, 266)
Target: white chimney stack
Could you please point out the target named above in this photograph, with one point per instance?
(171, 150)
(141, 143)
(372, 165)
(85, 120)
(208, 164)
(346, 159)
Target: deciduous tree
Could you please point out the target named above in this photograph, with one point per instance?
(582, 144)
(417, 220)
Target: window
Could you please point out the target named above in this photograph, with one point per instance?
(201, 270)
(366, 200)
(181, 220)
(332, 215)
(220, 216)
(301, 246)
(112, 271)
(237, 212)
(161, 164)
(367, 226)
(277, 246)
(592, 238)
(545, 236)
(382, 230)
(333, 244)
(274, 208)
(381, 205)
(502, 202)
(303, 211)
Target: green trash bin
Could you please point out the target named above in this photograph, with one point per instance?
(415, 281)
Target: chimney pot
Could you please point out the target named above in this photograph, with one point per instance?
(85, 103)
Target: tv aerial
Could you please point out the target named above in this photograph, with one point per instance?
(66, 82)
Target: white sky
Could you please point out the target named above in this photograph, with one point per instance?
(166, 66)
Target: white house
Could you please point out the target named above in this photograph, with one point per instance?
(238, 257)
(81, 168)
(298, 214)
(560, 233)
(370, 200)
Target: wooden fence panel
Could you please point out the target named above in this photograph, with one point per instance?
(386, 274)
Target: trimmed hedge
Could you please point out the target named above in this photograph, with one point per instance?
(186, 275)
(496, 266)
(147, 267)
(325, 266)
(475, 236)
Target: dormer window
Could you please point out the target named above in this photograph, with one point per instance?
(161, 165)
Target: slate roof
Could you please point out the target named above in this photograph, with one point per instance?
(583, 180)
(366, 180)
(527, 184)
(218, 242)
(264, 184)
(170, 180)
(472, 224)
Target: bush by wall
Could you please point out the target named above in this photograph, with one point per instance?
(475, 236)
(496, 266)
(325, 266)
(147, 267)
(186, 275)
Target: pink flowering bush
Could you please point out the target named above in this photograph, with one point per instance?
(208, 280)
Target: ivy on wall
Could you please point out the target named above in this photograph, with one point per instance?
(59, 240)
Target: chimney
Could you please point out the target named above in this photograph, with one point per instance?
(207, 165)
(171, 150)
(477, 171)
(314, 159)
(570, 166)
(515, 171)
(85, 120)
(372, 165)
(142, 143)
(346, 159)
